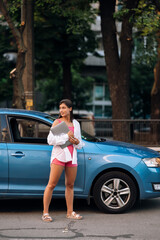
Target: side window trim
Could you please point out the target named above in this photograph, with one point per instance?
(0, 131)
(4, 129)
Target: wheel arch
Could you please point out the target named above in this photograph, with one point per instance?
(114, 170)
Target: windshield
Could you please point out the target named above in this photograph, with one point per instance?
(90, 138)
(50, 117)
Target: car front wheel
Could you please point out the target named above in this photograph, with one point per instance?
(115, 192)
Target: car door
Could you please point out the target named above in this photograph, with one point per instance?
(3, 155)
(29, 155)
(80, 179)
(29, 158)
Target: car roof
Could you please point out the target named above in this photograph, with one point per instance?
(75, 111)
(22, 111)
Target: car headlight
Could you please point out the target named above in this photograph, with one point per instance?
(152, 162)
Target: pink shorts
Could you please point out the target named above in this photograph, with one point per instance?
(67, 164)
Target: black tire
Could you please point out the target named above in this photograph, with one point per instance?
(115, 192)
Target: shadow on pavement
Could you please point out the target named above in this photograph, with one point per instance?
(29, 205)
(147, 205)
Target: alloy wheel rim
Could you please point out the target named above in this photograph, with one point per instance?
(115, 193)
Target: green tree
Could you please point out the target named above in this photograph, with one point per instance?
(148, 24)
(141, 84)
(52, 90)
(63, 39)
(5, 47)
(142, 77)
(23, 11)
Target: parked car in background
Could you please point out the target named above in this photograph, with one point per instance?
(115, 174)
(85, 118)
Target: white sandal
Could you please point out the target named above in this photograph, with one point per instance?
(46, 217)
(74, 216)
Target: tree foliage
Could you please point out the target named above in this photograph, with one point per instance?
(146, 22)
(141, 84)
(78, 15)
(144, 16)
(62, 34)
(62, 31)
(6, 66)
(52, 90)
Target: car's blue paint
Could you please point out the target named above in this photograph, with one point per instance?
(22, 112)
(126, 148)
(27, 173)
(145, 177)
(3, 167)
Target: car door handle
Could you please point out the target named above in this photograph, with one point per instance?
(18, 154)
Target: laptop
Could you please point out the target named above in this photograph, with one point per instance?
(61, 128)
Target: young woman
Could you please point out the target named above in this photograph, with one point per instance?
(63, 158)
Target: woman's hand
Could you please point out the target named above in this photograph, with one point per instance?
(74, 140)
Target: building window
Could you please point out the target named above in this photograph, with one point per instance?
(98, 111)
(99, 92)
(101, 103)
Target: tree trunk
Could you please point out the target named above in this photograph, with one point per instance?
(67, 79)
(28, 75)
(118, 66)
(18, 90)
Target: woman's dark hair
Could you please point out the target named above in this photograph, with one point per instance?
(69, 104)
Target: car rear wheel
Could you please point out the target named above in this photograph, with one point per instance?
(115, 192)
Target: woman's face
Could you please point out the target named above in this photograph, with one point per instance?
(64, 110)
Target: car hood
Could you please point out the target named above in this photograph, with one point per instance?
(127, 148)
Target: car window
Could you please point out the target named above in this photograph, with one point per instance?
(28, 130)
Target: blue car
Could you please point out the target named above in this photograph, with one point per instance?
(115, 174)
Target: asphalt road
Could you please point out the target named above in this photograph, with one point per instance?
(21, 219)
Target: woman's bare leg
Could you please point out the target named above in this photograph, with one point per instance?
(70, 176)
(55, 173)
